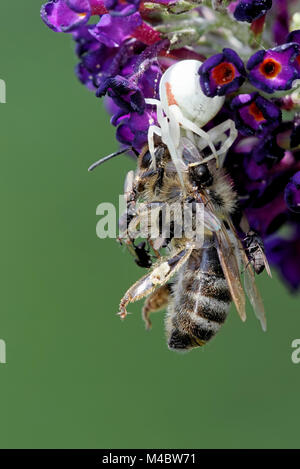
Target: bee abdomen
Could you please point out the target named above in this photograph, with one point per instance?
(206, 310)
(207, 317)
(210, 309)
(205, 295)
(200, 305)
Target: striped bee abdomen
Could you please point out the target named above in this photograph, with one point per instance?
(200, 300)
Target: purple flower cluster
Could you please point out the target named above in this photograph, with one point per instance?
(270, 183)
(268, 70)
(123, 54)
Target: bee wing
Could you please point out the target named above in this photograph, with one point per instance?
(171, 168)
(266, 263)
(190, 152)
(230, 265)
(250, 285)
(128, 184)
(158, 276)
(254, 296)
(211, 221)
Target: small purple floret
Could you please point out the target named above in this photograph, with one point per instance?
(61, 18)
(254, 115)
(274, 69)
(222, 74)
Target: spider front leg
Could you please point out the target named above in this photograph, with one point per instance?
(187, 124)
(169, 131)
(153, 130)
(217, 134)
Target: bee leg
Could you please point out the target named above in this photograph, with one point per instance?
(131, 248)
(153, 248)
(157, 301)
(159, 276)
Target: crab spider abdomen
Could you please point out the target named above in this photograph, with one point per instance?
(180, 85)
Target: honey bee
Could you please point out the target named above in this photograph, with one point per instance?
(195, 282)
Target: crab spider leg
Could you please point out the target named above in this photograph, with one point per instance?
(153, 129)
(220, 129)
(189, 125)
(170, 134)
(202, 144)
(161, 119)
(174, 128)
(204, 160)
(191, 136)
(175, 157)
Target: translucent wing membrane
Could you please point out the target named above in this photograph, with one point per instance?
(249, 283)
(254, 296)
(226, 252)
(190, 153)
(211, 222)
(128, 184)
(266, 264)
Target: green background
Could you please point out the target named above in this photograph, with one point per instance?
(76, 376)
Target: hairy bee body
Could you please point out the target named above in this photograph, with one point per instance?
(195, 282)
(197, 277)
(200, 300)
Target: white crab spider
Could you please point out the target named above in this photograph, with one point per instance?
(184, 107)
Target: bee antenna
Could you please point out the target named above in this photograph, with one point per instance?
(112, 155)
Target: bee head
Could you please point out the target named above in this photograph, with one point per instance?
(200, 175)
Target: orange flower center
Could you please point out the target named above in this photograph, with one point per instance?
(223, 73)
(256, 112)
(270, 68)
